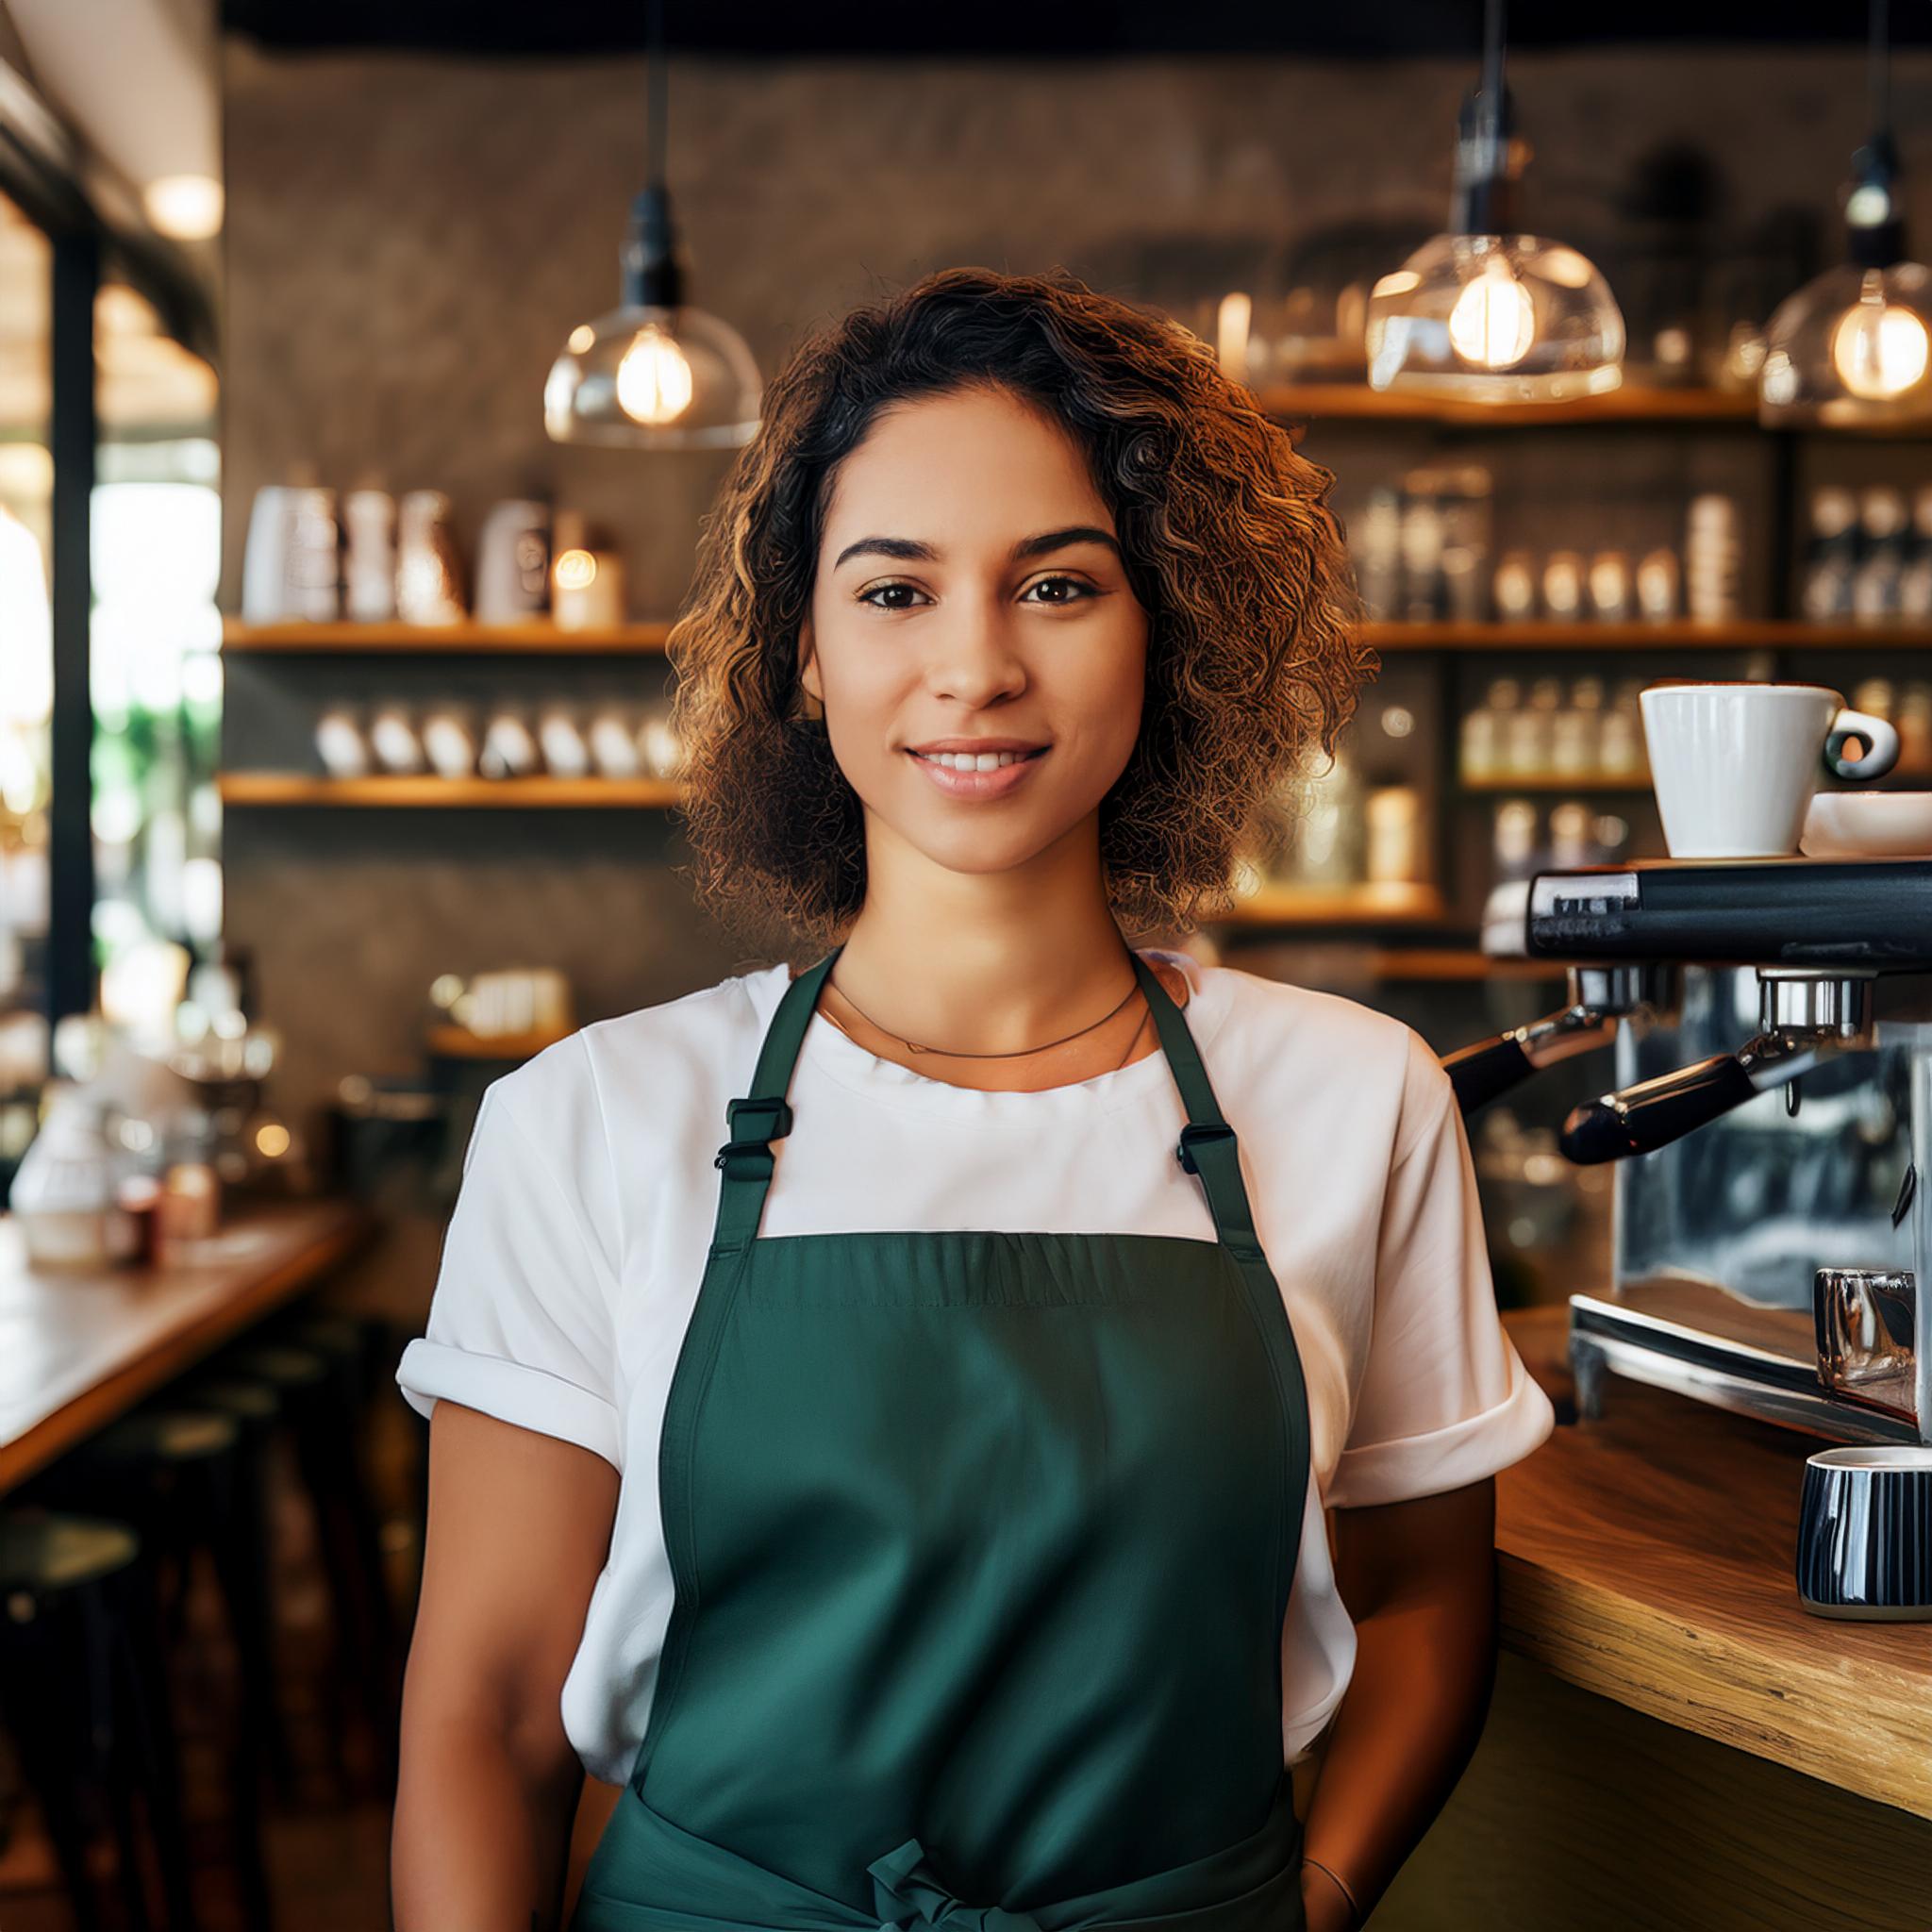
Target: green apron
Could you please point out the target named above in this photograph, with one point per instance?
(981, 1546)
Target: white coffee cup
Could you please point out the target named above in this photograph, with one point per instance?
(1734, 765)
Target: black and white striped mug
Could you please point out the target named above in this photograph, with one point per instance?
(1865, 1533)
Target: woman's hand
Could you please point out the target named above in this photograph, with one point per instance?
(1419, 1578)
(1323, 1907)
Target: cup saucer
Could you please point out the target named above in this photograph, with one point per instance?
(1868, 824)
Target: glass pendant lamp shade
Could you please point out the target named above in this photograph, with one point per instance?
(1482, 312)
(1495, 319)
(1851, 349)
(654, 372)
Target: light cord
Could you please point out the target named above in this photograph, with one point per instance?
(657, 93)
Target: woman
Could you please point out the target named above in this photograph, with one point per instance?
(916, 1502)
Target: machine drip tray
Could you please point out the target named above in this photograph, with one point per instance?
(1697, 1340)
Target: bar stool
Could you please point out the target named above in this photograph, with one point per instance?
(186, 1480)
(81, 1686)
(318, 1387)
(255, 1409)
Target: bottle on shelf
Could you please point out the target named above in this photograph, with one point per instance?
(1572, 835)
(1657, 579)
(1620, 739)
(1378, 556)
(1512, 591)
(1882, 554)
(1513, 840)
(1394, 823)
(1915, 581)
(1527, 744)
(1575, 737)
(1563, 586)
(1422, 550)
(1612, 597)
(1327, 841)
(1468, 537)
(1713, 558)
(1480, 748)
(1831, 554)
(1914, 723)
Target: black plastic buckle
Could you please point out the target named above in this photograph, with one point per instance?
(1196, 1132)
(756, 1140)
(779, 1111)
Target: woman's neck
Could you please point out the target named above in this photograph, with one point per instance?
(1011, 981)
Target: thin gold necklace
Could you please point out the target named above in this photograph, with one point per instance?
(1117, 1065)
(1009, 1054)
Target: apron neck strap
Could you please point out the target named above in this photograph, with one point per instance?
(1206, 1147)
(765, 1115)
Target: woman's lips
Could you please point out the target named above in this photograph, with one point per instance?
(994, 784)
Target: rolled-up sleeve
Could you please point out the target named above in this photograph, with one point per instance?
(519, 1324)
(1444, 1398)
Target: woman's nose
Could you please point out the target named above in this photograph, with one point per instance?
(975, 654)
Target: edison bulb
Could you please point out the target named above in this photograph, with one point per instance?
(1879, 349)
(654, 380)
(1493, 320)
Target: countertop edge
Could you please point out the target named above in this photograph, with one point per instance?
(1743, 1668)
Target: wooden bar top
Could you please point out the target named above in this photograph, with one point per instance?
(78, 1348)
(1648, 1556)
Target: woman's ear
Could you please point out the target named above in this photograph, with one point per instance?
(814, 705)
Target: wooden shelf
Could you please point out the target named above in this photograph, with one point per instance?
(1440, 964)
(303, 788)
(539, 635)
(459, 1042)
(1744, 633)
(1558, 781)
(1332, 905)
(1356, 402)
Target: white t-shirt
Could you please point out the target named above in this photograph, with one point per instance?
(571, 1260)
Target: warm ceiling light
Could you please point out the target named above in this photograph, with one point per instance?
(189, 208)
(1493, 320)
(654, 372)
(1878, 347)
(1481, 312)
(1853, 347)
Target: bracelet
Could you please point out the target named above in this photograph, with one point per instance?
(1355, 1911)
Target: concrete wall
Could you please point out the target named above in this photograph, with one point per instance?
(409, 240)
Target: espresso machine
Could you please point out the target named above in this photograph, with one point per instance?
(1771, 1128)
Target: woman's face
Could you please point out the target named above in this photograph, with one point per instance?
(970, 597)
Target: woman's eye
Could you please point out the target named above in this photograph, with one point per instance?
(1064, 590)
(878, 594)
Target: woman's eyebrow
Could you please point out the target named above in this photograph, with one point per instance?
(1063, 540)
(912, 550)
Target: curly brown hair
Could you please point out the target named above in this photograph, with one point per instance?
(1254, 648)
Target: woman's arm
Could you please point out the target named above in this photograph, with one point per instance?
(518, 1530)
(1419, 1579)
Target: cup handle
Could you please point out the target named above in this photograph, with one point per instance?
(1881, 742)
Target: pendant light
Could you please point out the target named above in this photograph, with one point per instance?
(1484, 314)
(1854, 348)
(654, 372)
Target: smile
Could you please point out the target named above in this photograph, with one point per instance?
(982, 775)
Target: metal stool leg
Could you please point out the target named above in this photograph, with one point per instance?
(236, 1544)
(148, 1728)
(40, 1659)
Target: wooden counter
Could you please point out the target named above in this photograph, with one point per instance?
(1675, 1745)
(79, 1348)
(1648, 1556)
